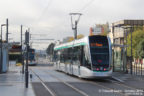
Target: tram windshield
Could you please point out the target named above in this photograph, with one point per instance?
(99, 51)
(31, 54)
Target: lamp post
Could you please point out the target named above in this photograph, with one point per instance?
(131, 52)
(26, 67)
(22, 59)
(1, 48)
(74, 26)
(7, 24)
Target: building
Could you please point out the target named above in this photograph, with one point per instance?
(121, 28)
(100, 29)
(110, 35)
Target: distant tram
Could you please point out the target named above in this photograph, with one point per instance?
(32, 57)
(89, 57)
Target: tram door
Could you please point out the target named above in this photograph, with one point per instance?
(76, 60)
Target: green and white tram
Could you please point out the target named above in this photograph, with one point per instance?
(89, 57)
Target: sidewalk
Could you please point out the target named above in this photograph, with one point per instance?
(12, 83)
(133, 81)
(125, 77)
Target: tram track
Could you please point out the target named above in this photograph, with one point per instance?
(100, 85)
(118, 83)
(44, 85)
(69, 85)
(91, 82)
(54, 93)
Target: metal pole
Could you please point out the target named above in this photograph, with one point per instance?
(123, 50)
(113, 47)
(22, 53)
(26, 69)
(75, 29)
(1, 51)
(7, 30)
(126, 53)
(131, 52)
(27, 50)
(74, 26)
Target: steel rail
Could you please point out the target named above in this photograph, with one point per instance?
(69, 85)
(46, 87)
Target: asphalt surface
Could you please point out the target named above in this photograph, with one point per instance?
(61, 84)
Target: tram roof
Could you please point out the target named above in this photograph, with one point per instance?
(78, 42)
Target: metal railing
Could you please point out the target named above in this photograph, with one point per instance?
(138, 68)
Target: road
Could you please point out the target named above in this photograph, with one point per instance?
(48, 82)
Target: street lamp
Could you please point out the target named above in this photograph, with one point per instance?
(1, 47)
(74, 26)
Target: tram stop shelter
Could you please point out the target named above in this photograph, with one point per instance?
(4, 58)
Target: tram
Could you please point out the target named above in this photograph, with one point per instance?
(31, 57)
(89, 57)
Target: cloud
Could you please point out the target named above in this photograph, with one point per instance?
(52, 16)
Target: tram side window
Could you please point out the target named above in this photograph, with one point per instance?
(62, 58)
(86, 58)
(66, 56)
(69, 55)
(55, 56)
(76, 55)
(58, 55)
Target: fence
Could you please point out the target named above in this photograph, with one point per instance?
(138, 67)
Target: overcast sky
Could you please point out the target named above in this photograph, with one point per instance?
(51, 17)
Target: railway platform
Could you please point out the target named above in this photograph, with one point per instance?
(12, 83)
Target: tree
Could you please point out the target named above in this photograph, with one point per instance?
(137, 36)
(78, 37)
(50, 49)
(70, 39)
(140, 50)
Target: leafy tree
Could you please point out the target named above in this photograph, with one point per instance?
(50, 49)
(70, 39)
(137, 36)
(140, 50)
(78, 37)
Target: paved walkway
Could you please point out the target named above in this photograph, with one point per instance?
(12, 83)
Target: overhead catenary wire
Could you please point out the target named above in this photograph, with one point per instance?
(42, 13)
(44, 10)
(86, 5)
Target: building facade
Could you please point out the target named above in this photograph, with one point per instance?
(100, 29)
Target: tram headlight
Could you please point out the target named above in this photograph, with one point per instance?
(97, 69)
(104, 69)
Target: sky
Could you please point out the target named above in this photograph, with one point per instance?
(50, 19)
